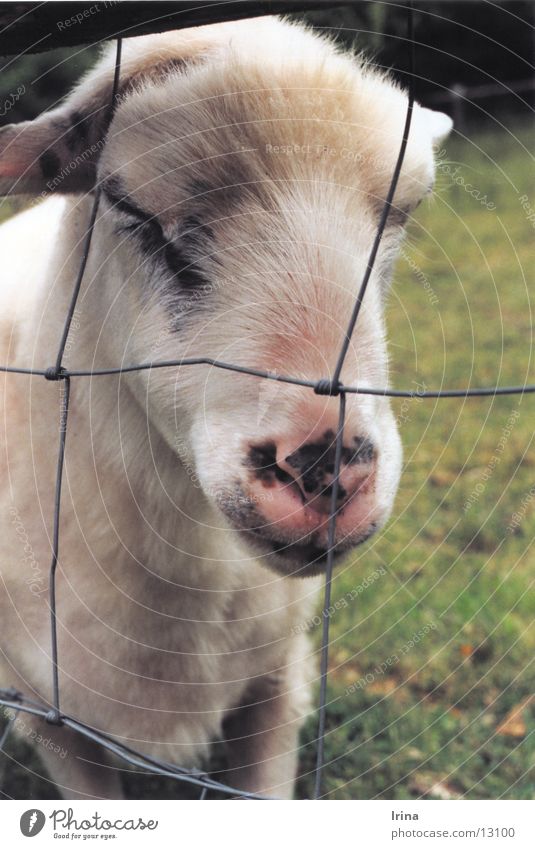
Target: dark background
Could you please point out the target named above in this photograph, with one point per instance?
(472, 43)
(466, 43)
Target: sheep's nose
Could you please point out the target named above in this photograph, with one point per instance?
(309, 468)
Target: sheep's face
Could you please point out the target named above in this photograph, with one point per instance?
(240, 199)
(245, 227)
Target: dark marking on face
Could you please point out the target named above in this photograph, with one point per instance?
(397, 217)
(77, 131)
(308, 554)
(262, 461)
(114, 192)
(364, 451)
(186, 272)
(50, 164)
(152, 240)
(315, 460)
(311, 557)
(313, 463)
(261, 457)
(327, 492)
(194, 233)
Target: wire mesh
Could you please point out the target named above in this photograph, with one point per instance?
(18, 702)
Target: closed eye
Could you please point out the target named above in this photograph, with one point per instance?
(413, 206)
(150, 236)
(130, 228)
(402, 213)
(119, 200)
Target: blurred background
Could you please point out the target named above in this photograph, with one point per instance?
(432, 683)
(485, 48)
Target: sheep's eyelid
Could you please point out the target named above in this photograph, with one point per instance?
(120, 202)
(427, 193)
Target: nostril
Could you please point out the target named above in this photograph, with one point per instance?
(262, 462)
(341, 495)
(282, 476)
(309, 470)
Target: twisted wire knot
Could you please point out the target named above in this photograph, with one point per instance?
(55, 373)
(325, 386)
(53, 717)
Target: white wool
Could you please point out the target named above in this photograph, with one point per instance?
(281, 148)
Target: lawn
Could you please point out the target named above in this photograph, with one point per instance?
(449, 713)
(431, 682)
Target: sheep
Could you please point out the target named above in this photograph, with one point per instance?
(242, 177)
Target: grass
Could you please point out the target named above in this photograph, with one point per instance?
(430, 720)
(448, 713)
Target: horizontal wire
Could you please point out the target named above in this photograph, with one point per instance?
(475, 392)
(128, 754)
(16, 700)
(19, 702)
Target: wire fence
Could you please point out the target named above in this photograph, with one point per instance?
(330, 386)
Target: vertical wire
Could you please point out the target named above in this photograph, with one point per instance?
(339, 437)
(388, 202)
(92, 219)
(324, 665)
(55, 374)
(54, 716)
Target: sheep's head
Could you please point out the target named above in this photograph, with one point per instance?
(243, 177)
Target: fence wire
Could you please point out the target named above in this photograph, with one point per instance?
(16, 701)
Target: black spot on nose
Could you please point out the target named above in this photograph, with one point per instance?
(314, 463)
(310, 462)
(262, 461)
(310, 468)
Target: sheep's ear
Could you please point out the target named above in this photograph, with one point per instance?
(56, 152)
(59, 151)
(438, 124)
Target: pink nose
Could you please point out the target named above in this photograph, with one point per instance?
(308, 470)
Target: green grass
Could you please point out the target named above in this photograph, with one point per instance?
(426, 719)
(427, 722)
